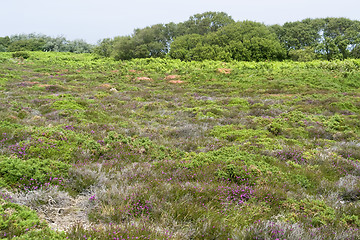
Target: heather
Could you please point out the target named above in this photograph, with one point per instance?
(93, 148)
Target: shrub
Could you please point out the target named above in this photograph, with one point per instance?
(302, 55)
(19, 222)
(23, 55)
(31, 173)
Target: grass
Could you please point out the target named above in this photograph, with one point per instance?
(260, 151)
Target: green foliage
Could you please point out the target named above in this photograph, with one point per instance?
(314, 211)
(26, 45)
(240, 103)
(339, 34)
(18, 172)
(242, 41)
(124, 48)
(4, 43)
(19, 222)
(142, 146)
(239, 174)
(351, 220)
(302, 181)
(40, 42)
(250, 41)
(302, 55)
(205, 23)
(67, 105)
(249, 137)
(330, 37)
(147, 42)
(217, 37)
(236, 162)
(336, 123)
(300, 34)
(104, 48)
(24, 55)
(195, 47)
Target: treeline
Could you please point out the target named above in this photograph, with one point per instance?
(216, 36)
(40, 42)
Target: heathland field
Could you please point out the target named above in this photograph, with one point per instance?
(93, 148)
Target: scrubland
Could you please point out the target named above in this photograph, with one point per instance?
(93, 148)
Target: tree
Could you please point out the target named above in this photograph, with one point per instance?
(147, 42)
(340, 35)
(124, 48)
(205, 23)
(79, 46)
(154, 39)
(355, 52)
(26, 45)
(104, 47)
(4, 43)
(58, 44)
(243, 41)
(181, 48)
(40, 42)
(249, 41)
(301, 34)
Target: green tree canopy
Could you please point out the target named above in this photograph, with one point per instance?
(215, 35)
(27, 45)
(249, 41)
(341, 35)
(205, 23)
(333, 38)
(124, 48)
(246, 41)
(4, 43)
(301, 34)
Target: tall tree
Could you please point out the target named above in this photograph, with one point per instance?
(27, 45)
(104, 47)
(124, 48)
(4, 43)
(249, 41)
(154, 39)
(181, 47)
(205, 22)
(58, 44)
(340, 35)
(300, 34)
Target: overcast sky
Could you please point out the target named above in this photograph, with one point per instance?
(92, 20)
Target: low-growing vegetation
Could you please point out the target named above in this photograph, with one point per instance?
(93, 148)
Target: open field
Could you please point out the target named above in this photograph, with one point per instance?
(92, 148)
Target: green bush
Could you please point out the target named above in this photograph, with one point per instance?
(20, 222)
(23, 55)
(302, 55)
(30, 173)
(315, 212)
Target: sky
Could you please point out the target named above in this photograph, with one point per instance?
(93, 20)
